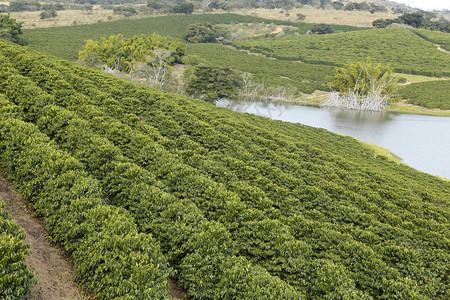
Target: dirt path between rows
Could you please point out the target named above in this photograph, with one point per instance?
(442, 49)
(277, 30)
(53, 270)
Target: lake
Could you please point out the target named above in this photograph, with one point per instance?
(423, 142)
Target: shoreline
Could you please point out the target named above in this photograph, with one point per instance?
(397, 107)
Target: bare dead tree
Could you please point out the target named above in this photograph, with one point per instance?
(155, 68)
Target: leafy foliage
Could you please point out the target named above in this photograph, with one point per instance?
(436, 37)
(213, 83)
(244, 207)
(15, 278)
(303, 77)
(432, 94)
(178, 222)
(48, 14)
(204, 33)
(186, 8)
(10, 29)
(126, 11)
(361, 77)
(119, 53)
(321, 29)
(401, 48)
(111, 258)
(416, 20)
(300, 76)
(363, 86)
(71, 39)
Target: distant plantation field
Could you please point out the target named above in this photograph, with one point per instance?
(241, 207)
(432, 94)
(304, 77)
(437, 37)
(401, 48)
(71, 39)
(404, 50)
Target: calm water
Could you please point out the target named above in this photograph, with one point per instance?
(423, 142)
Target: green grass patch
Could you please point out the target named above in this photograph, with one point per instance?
(415, 78)
(378, 150)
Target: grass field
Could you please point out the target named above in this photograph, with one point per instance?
(31, 19)
(352, 18)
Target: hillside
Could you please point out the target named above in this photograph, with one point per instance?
(408, 51)
(70, 39)
(402, 49)
(433, 94)
(241, 207)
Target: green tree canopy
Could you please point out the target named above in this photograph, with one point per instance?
(204, 33)
(48, 14)
(212, 83)
(364, 78)
(10, 29)
(363, 86)
(184, 8)
(321, 29)
(119, 53)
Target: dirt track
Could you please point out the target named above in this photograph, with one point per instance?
(52, 269)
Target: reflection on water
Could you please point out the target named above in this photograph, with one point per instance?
(358, 115)
(264, 109)
(423, 142)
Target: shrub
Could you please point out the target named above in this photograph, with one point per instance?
(321, 29)
(47, 14)
(15, 278)
(10, 29)
(213, 83)
(184, 8)
(124, 11)
(205, 33)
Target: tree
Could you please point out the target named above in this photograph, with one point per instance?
(124, 11)
(10, 29)
(415, 19)
(155, 67)
(47, 14)
(154, 4)
(321, 29)
(184, 8)
(323, 3)
(123, 54)
(300, 17)
(211, 83)
(362, 86)
(337, 5)
(205, 33)
(350, 6)
(381, 23)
